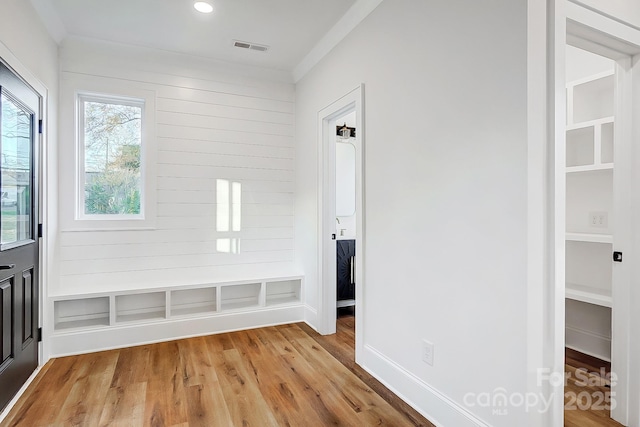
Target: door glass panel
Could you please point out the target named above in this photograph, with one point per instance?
(16, 130)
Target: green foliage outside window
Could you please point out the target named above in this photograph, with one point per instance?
(112, 138)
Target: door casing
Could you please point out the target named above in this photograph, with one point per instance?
(604, 36)
(352, 101)
(9, 59)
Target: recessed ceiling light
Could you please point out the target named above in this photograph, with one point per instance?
(203, 6)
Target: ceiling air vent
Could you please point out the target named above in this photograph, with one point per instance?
(250, 46)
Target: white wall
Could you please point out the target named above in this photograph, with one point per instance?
(23, 33)
(213, 121)
(446, 195)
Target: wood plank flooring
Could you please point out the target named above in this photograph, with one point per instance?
(280, 376)
(341, 345)
(277, 376)
(584, 389)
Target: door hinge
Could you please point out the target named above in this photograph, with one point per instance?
(617, 257)
(39, 334)
(40, 126)
(40, 233)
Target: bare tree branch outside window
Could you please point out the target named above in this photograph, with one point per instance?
(112, 139)
(15, 171)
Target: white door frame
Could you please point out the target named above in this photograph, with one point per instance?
(599, 34)
(352, 101)
(43, 212)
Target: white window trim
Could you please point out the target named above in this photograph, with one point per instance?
(72, 217)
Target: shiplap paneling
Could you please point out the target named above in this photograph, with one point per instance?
(210, 125)
(220, 172)
(169, 262)
(225, 99)
(206, 197)
(200, 222)
(177, 183)
(102, 251)
(222, 160)
(201, 108)
(224, 148)
(223, 135)
(115, 281)
(174, 210)
(217, 123)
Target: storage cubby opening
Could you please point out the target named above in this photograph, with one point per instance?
(589, 266)
(240, 296)
(193, 301)
(81, 313)
(593, 100)
(607, 143)
(584, 322)
(589, 192)
(580, 151)
(140, 307)
(283, 292)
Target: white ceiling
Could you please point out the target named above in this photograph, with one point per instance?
(290, 27)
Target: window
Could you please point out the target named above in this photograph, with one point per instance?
(107, 158)
(110, 161)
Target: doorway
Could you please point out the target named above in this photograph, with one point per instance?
(595, 182)
(341, 203)
(20, 129)
(593, 222)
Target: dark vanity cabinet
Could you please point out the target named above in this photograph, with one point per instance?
(346, 269)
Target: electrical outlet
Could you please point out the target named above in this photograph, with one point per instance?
(598, 219)
(427, 352)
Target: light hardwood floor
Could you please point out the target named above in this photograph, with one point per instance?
(278, 376)
(584, 390)
(341, 345)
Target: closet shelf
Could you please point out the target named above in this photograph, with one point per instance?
(601, 297)
(590, 168)
(591, 78)
(590, 123)
(590, 238)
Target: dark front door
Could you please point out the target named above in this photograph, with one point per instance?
(19, 134)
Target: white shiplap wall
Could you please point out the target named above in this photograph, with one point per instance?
(212, 122)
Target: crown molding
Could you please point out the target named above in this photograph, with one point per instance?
(356, 14)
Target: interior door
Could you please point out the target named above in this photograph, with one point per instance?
(19, 129)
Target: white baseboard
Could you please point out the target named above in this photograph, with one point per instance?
(587, 342)
(433, 405)
(311, 317)
(108, 338)
(13, 401)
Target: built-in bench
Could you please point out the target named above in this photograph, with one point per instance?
(98, 321)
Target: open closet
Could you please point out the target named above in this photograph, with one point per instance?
(592, 213)
(589, 202)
